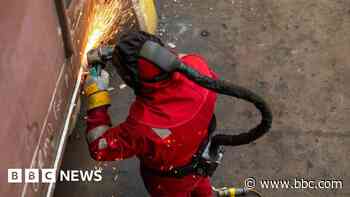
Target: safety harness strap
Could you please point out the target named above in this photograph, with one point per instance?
(176, 172)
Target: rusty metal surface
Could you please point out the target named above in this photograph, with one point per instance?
(36, 83)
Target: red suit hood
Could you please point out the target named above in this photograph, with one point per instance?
(172, 102)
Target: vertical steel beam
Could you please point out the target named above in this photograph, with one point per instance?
(66, 36)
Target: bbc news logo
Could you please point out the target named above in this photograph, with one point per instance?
(51, 175)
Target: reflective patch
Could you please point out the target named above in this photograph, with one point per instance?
(96, 133)
(102, 144)
(162, 133)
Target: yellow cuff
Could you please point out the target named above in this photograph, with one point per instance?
(91, 88)
(99, 99)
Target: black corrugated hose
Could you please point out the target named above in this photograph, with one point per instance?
(230, 89)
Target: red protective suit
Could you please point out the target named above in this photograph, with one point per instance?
(164, 129)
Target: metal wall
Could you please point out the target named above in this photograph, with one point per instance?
(36, 84)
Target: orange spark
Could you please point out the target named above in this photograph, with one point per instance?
(105, 20)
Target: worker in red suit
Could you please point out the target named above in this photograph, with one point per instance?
(167, 122)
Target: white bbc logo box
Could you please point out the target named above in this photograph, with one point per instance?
(16, 175)
(47, 175)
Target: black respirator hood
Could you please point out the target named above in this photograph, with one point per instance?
(127, 54)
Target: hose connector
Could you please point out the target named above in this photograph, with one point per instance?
(230, 192)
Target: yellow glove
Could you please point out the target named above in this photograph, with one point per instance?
(95, 89)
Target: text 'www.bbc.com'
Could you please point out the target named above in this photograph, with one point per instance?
(296, 183)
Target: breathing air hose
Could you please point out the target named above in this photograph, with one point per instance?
(230, 89)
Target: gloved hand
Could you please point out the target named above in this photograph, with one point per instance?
(95, 88)
(100, 55)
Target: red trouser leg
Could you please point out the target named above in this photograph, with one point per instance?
(202, 189)
(171, 187)
(177, 194)
(189, 186)
(165, 190)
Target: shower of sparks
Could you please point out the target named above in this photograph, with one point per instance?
(105, 21)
